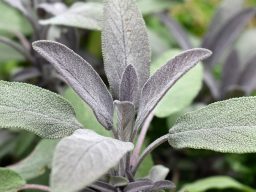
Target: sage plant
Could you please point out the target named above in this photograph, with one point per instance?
(86, 161)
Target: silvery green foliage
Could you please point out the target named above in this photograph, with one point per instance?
(88, 15)
(37, 162)
(10, 181)
(124, 42)
(126, 56)
(158, 173)
(82, 15)
(216, 183)
(81, 77)
(225, 126)
(84, 157)
(23, 106)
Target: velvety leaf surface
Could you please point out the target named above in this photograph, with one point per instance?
(183, 91)
(164, 78)
(81, 15)
(81, 77)
(38, 161)
(24, 106)
(129, 88)
(225, 126)
(10, 181)
(86, 155)
(158, 173)
(125, 113)
(89, 15)
(124, 42)
(84, 114)
(216, 183)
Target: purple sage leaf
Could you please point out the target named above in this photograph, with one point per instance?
(163, 79)
(125, 42)
(129, 90)
(81, 77)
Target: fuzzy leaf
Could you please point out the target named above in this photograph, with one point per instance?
(37, 110)
(216, 183)
(10, 181)
(139, 185)
(37, 162)
(81, 15)
(225, 126)
(164, 78)
(158, 173)
(81, 77)
(125, 112)
(181, 94)
(129, 89)
(125, 42)
(86, 155)
(163, 185)
(89, 15)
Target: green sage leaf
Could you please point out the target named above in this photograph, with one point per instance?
(38, 161)
(216, 183)
(37, 110)
(225, 126)
(10, 181)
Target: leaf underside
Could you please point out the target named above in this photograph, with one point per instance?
(81, 77)
(86, 155)
(164, 78)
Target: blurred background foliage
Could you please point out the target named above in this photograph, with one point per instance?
(186, 166)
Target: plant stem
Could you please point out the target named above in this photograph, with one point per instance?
(141, 139)
(35, 187)
(148, 150)
(17, 47)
